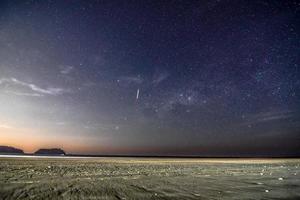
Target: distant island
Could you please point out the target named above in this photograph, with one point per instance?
(55, 151)
(15, 151)
(10, 150)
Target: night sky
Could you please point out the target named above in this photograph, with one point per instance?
(208, 78)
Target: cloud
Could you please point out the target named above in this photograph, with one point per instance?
(3, 80)
(42, 91)
(25, 94)
(89, 84)
(128, 80)
(101, 126)
(268, 116)
(5, 126)
(276, 117)
(159, 77)
(60, 123)
(131, 79)
(66, 69)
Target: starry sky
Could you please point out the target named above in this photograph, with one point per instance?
(208, 78)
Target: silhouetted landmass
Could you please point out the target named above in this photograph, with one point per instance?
(10, 150)
(54, 151)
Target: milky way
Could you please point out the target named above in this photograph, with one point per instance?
(150, 77)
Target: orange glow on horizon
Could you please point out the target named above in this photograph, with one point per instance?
(29, 141)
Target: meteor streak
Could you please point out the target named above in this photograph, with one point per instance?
(137, 94)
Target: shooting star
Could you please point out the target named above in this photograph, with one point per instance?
(137, 94)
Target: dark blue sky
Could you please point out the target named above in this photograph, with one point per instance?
(151, 77)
